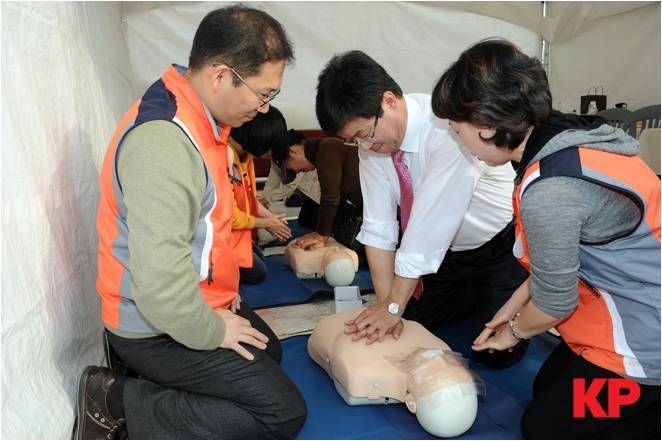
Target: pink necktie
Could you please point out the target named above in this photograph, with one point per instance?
(406, 201)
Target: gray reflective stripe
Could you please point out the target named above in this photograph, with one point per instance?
(120, 244)
(204, 241)
(132, 320)
(640, 345)
(200, 245)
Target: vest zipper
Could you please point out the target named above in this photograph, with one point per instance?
(210, 273)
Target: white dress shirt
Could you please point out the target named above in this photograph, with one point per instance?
(459, 201)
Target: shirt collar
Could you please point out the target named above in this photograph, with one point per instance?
(414, 123)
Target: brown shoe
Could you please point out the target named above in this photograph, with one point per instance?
(94, 419)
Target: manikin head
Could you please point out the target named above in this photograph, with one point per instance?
(339, 269)
(359, 102)
(237, 61)
(441, 391)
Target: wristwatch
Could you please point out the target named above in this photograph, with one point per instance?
(394, 309)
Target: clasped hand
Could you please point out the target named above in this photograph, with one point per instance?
(373, 323)
(278, 227)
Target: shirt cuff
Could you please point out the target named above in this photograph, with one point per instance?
(414, 265)
(379, 234)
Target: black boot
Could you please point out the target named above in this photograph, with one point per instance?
(94, 418)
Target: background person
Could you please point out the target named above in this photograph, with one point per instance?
(339, 212)
(253, 139)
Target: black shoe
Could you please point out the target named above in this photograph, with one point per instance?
(94, 418)
(502, 359)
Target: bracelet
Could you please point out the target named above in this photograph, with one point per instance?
(511, 323)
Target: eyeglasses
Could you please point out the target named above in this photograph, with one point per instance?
(264, 99)
(364, 143)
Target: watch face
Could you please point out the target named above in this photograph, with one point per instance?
(393, 308)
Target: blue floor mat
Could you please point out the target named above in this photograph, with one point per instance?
(507, 392)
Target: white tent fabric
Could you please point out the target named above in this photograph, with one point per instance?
(413, 41)
(70, 70)
(66, 81)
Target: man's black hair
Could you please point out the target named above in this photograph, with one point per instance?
(351, 85)
(281, 151)
(241, 37)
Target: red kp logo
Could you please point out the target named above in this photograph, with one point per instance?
(583, 397)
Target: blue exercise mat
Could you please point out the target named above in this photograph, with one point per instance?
(499, 413)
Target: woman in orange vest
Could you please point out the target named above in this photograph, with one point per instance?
(587, 214)
(253, 139)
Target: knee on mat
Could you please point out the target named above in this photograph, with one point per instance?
(290, 420)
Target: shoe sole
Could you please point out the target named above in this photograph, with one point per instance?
(80, 409)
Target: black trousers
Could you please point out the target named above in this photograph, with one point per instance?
(550, 415)
(215, 394)
(258, 272)
(346, 225)
(476, 281)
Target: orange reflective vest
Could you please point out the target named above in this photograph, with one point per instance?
(170, 98)
(616, 324)
(242, 177)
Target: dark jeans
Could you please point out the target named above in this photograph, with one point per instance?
(479, 280)
(258, 272)
(214, 394)
(549, 414)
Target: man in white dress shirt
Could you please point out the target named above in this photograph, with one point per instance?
(458, 237)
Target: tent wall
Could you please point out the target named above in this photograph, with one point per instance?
(620, 52)
(66, 80)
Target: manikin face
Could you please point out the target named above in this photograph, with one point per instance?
(234, 106)
(296, 161)
(380, 134)
(470, 137)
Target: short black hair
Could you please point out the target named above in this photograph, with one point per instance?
(264, 132)
(351, 85)
(281, 151)
(241, 37)
(495, 84)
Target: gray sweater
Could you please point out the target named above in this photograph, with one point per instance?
(559, 212)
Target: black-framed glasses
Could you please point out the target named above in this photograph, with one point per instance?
(364, 143)
(264, 99)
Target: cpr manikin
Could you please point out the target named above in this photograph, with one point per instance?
(418, 369)
(335, 262)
